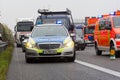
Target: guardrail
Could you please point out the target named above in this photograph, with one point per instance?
(3, 46)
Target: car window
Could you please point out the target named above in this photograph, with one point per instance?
(49, 30)
(116, 21)
(102, 24)
(25, 26)
(108, 22)
(79, 32)
(89, 30)
(54, 20)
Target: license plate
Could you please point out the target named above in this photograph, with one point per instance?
(50, 52)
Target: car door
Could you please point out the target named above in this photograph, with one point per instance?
(104, 34)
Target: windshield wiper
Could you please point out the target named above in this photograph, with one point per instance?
(49, 35)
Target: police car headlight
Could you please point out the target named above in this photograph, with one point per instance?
(30, 43)
(68, 43)
(117, 36)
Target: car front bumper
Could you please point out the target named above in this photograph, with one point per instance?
(61, 52)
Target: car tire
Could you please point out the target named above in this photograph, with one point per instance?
(72, 59)
(17, 45)
(27, 59)
(98, 52)
(23, 50)
(83, 47)
(77, 47)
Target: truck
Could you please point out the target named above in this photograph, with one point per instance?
(107, 34)
(56, 17)
(22, 29)
(89, 29)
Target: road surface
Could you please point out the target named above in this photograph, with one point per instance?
(97, 67)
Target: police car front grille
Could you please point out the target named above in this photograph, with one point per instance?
(49, 46)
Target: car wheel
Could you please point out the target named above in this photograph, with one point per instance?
(83, 47)
(23, 49)
(76, 47)
(27, 59)
(98, 52)
(17, 45)
(117, 54)
(71, 59)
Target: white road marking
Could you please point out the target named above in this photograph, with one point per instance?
(109, 71)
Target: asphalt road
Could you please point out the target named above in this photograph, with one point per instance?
(61, 70)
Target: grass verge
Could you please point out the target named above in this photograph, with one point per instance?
(5, 58)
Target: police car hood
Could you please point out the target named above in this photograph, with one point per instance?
(49, 39)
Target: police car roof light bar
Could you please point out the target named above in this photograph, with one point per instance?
(47, 12)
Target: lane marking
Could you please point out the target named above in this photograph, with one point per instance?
(109, 71)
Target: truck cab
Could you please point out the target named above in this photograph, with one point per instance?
(89, 30)
(23, 28)
(56, 17)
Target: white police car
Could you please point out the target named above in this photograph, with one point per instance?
(50, 40)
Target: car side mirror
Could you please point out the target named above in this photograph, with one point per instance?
(72, 34)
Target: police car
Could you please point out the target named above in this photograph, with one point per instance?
(50, 40)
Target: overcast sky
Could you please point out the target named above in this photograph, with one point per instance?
(12, 9)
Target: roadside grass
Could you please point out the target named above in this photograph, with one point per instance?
(5, 58)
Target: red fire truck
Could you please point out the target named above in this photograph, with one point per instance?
(107, 34)
(89, 29)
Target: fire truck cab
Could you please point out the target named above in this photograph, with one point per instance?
(107, 34)
(89, 29)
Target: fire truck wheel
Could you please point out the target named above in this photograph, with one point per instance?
(98, 52)
(117, 53)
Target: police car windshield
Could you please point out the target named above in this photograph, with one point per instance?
(49, 30)
(25, 26)
(116, 21)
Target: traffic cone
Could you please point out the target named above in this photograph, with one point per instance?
(112, 54)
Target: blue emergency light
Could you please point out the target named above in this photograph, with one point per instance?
(100, 16)
(91, 38)
(39, 22)
(58, 22)
(112, 13)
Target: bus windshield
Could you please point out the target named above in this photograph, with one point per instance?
(25, 26)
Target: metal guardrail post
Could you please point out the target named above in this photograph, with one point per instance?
(2, 46)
